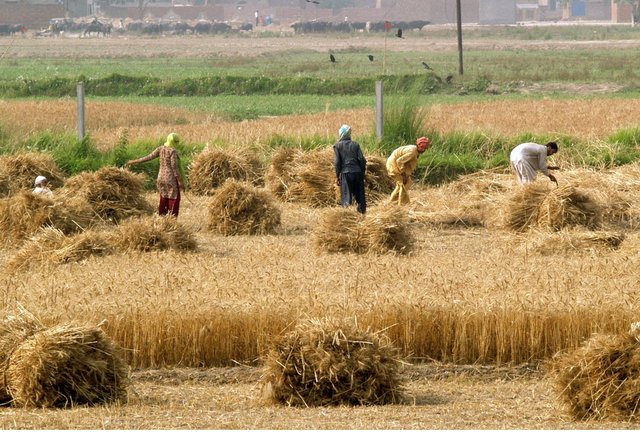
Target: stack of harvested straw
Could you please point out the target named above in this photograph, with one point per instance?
(331, 362)
(64, 366)
(279, 174)
(378, 183)
(50, 246)
(149, 233)
(112, 193)
(17, 172)
(383, 230)
(239, 208)
(211, 168)
(601, 379)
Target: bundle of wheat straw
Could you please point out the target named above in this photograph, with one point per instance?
(280, 172)
(67, 365)
(567, 206)
(332, 362)
(18, 172)
(211, 168)
(601, 379)
(153, 233)
(239, 208)
(571, 240)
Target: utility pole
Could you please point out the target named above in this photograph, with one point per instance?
(458, 11)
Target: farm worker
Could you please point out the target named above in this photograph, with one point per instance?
(42, 187)
(401, 165)
(169, 177)
(529, 158)
(350, 166)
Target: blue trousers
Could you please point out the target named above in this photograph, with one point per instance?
(352, 188)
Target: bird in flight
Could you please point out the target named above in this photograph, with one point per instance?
(332, 58)
(370, 57)
(315, 2)
(426, 66)
(399, 33)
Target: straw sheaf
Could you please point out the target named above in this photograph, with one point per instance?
(601, 379)
(239, 208)
(50, 246)
(210, 169)
(382, 230)
(13, 331)
(112, 193)
(331, 362)
(377, 180)
(153, 233)
(567, 206)
(279, 174)
(18, 172)
(67, 365)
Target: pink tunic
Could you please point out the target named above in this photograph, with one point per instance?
(168, 174)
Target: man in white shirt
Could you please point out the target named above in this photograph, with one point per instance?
(42, 187)
(529, 158)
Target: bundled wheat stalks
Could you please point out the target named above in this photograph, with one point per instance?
(211, 168)
(64, 366)
(378, 183)
(239, 208)
(601, 379)
(51, 246)
(571, 240)
(382, 230)
(113, 194)
(18, 172)
(149, 233)
(331, 362)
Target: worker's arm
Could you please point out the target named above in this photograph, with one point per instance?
(154, 154)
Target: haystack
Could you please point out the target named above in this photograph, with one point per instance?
(65, 366)
(51, 246)
(239, 208)
(279, 175)
(112, 193)
(331, 362)
(567, 206)
(378, 183)
(153, 233)
(601, 379)
(14, 330)
(18, 172)
(21, 215)
(211, 168)
(551, 207)
(382, 230)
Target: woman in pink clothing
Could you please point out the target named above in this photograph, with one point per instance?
(169, 178)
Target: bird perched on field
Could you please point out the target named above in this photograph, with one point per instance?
(426, 66)
(370, 57)
(448, 79)
(332, 58)
(399, 33)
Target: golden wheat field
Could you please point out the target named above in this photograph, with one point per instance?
(194, 324)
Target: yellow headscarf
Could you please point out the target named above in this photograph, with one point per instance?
(172, 140)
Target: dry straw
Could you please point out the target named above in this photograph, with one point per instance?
(573, 240)
(382, 230)
(112, 193)
(377, 180)
(50, 246)
(601, 379)
(239, 208)
(332, 362)
(18, 172)
(153, 233)
(211, 168)
(66, 365)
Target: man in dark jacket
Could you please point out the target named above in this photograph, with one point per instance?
(350, 167)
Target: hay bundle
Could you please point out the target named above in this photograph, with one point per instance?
(239, 208)
(13, 331)
(23, 214)
(67, 365)
(523, 205)
(383, 230)
(112, 193)
(567, 206)
(601, 379)
(51, 246)
(377, 181)
(149, 233)
(329, 362)
(210, 169)
(17, 172)
(314, 179)
(279, 175)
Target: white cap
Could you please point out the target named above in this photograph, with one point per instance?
(39, 180)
